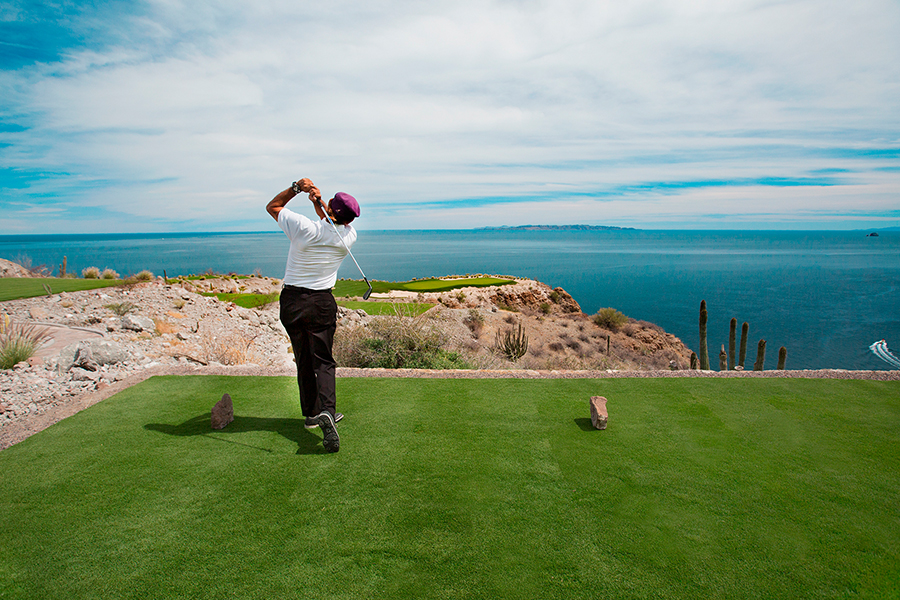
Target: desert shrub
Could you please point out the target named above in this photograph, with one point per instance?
(90, 273)
(555, 346)
(474, 320)
(18, 341)
(509, 319)
(554, 296)
(144, 276)
(236, 349)
(396, 342)
(121, 308)
(546, 308)
(574, 345)
(109, 274)
(609, 318)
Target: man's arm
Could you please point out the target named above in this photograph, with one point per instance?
(280, 201)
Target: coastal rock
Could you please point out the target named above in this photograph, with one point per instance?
(535, 298)
(101, 352)
(38, 313)
(79, 374)
(599, 416)
(11, 269)
(84, 358)
(138, 323)
(222, 413)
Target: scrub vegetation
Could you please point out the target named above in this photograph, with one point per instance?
(399, 341)
(18, 341)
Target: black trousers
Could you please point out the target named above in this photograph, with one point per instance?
(310, 318)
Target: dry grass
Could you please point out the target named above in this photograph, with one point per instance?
(229, 350)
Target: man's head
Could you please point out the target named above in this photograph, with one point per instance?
(344, 207)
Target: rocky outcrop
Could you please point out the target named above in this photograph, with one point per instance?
(536, 298)
(91, 352)
(10, 269)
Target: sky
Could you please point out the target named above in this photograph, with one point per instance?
(163, 115)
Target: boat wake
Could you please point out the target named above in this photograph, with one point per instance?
(880, 350)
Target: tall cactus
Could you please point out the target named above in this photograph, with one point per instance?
(704, 351)
(723, 359)
(782, 358)
(760, 363)
(745, 330)
(695, 363)
(731, 340)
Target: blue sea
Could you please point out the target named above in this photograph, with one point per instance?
(825, 296)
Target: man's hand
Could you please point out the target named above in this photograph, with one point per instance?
(305, 185)
(314, 194)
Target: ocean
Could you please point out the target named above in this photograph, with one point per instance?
(826, 296)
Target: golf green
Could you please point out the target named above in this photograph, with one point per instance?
(699, 488)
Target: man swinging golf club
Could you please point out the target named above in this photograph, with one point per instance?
(308, 309)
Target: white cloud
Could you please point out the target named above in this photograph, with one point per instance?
(214, 107)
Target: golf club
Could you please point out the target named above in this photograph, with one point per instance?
(325, 209)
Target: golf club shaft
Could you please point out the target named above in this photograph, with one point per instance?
(325, 210)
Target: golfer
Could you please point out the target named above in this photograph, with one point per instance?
(308, 309)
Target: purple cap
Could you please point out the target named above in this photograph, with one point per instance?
(345, 207)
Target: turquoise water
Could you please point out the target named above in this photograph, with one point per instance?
(826, 296)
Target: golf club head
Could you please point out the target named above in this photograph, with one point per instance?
(368, 291)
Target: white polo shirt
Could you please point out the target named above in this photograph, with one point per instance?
(316, 251)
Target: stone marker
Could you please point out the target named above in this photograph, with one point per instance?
(222, 413)
(599, 415)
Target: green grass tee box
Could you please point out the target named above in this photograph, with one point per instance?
(699, 488)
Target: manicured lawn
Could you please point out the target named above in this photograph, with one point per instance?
(247, 300)
(699, 488)
(12, 288)
(406, 309)
(351, 287)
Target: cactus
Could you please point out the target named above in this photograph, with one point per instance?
(704, 351)
(760, 363)
(745, 330)
(695, 363)
(512, 344)
(723, 359)
(731, 340)
(782, 358)
(62, 268)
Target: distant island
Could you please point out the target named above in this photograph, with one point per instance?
(557, 227)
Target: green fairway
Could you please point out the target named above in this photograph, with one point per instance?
(699, 488)
(246, 300)
(351, 287)
(12, 288)
(406, 309)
